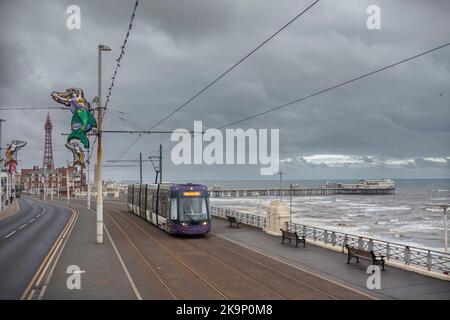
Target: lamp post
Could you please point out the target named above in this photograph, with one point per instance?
(445, 207)
(67, 183)
(291, 187)
(101, 48)
(51, 186)
(88, 183)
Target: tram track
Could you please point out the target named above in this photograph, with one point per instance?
(166, 249)
(227, 265)
(235, 269)
(290, 278)
(234, 255)
(144, 259)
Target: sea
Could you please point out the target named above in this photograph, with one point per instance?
(411, 216)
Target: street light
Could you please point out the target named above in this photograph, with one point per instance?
(291, 187)
(445, 207)
(101, 48)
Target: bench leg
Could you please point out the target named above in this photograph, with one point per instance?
(296, 243)
(349, 257)
(282, 240)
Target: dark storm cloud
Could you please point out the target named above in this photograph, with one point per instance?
(177, 47)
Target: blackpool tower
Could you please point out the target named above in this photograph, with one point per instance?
(48, 151)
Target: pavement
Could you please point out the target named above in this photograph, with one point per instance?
(395, 283)
(25, 240)
(9, 210)
(102, 277)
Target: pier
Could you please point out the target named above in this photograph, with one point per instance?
(298, 192)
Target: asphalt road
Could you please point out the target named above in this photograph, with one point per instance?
(25, 240)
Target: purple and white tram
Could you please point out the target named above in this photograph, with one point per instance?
(175, 208)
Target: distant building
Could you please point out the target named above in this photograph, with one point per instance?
(364, 184)
(38, 180)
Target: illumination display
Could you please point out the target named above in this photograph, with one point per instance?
(83, 121)
(11, 154)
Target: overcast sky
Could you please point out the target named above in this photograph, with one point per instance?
(394, 124)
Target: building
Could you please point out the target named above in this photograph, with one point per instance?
(38, 180)
(49, 180)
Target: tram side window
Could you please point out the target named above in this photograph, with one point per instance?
(143, 198)
(164, 208)
(173, 209)
(149, 201)
(153, 203)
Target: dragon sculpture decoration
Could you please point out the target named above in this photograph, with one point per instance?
(83, 121)
(11, 154)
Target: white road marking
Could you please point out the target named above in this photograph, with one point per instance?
(24, 225)
(130, 280)
(7, 236)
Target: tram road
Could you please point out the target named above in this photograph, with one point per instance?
(25, 240)
(220, 266)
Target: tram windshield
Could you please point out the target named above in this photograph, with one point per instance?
(193, 209)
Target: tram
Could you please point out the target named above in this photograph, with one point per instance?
(175, 208)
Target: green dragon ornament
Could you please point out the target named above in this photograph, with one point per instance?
(83, 120)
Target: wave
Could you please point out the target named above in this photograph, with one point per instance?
(399, 208)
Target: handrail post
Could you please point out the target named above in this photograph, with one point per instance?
(407, 255)
(388, 251)
(429, 260)
(333, 238)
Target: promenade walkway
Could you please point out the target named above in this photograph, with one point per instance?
(395, 283)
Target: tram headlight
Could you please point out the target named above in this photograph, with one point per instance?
(205, 223)
(184, 224)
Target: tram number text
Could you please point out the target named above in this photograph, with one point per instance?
(244, 309)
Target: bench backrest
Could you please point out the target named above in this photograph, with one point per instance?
(289, 234)
(359, 252)
(230, 218)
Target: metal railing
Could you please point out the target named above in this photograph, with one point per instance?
(408, 255)
(412, 256)
(243, 217)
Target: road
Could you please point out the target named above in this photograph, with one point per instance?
(25, 240)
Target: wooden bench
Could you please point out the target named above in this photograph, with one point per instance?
(232, 220)
(292, 236)
(368, 255)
